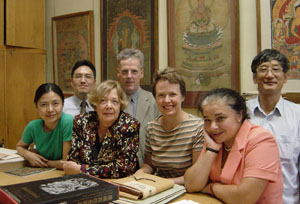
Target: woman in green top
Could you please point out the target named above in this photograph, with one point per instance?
(51, 134)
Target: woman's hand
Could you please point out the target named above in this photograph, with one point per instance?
(71, 167)
(210, 142)
(35, 159)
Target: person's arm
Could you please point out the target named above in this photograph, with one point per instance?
(58, 164)
(147, 166)
(196, 177)
(34, 159)
(249, 190)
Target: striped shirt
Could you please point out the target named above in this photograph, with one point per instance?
(171, 151)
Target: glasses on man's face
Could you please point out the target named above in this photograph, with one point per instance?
(277, 69)
(84, 76)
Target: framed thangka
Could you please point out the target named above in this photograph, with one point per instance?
(203, 42)
(285, 24)
(129, 24)
(72, 40)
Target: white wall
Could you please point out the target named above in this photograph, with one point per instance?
(248, 40)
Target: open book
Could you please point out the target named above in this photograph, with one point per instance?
(141, 187)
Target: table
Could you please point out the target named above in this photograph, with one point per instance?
(6, 179)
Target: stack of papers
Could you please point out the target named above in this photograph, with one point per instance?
(8, 154)
(186, 202)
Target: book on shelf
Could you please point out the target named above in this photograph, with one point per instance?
(146, 188)
(27, 171)
(78, 188)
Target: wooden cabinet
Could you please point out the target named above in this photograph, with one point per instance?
(22, 65)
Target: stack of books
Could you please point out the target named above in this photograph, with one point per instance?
(147, 189)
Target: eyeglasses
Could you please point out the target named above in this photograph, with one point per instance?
(274, 69)
(105, 102)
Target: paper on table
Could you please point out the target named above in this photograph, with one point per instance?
(10, 154)
(186, 202)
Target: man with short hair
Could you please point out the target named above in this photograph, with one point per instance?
(279, 116)
(83, 80)
(142, 104)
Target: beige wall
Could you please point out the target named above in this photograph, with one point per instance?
(248, 39)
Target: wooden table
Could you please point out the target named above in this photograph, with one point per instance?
(7, 179)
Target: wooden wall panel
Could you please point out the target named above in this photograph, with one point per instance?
(25, 71)
(1, 22)
(25, 23)
(2, 96)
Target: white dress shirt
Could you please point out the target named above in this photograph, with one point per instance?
(284, 123)
(72, 105)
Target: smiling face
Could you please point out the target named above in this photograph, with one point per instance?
(221, 122)
(50, 107)
(270, 82)
(83, 81)
(108, 109)
(130, 73)
(168, 98)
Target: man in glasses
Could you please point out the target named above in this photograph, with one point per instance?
(142, 104)
(83, 80)
(279, 116)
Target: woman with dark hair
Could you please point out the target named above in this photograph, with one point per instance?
(239, 162)
(51, 134)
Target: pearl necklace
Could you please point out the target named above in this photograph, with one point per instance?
(226, 149)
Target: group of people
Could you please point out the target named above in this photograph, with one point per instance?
(237, 151)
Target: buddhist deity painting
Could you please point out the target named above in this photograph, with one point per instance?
(202, 44)
(286, 32)
(73, 40)
(127, 24)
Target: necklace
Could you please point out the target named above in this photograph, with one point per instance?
(226, 149)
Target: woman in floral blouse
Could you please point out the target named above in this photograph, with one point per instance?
(105, 141)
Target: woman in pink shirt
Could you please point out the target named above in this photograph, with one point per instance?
(240, 161)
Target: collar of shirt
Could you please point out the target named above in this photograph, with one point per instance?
(78, 102)
(135, 95)
(277, 110)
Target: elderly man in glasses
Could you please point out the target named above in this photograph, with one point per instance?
(279, 116)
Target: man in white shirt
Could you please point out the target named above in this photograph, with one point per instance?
(279, 116)
(83, 80)
(142, 104)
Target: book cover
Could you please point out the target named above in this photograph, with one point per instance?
(79, 188)
(160, 198)
(142, 185)
(27, 171)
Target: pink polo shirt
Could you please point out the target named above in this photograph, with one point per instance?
(254, 154)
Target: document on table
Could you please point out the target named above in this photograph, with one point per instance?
(7, 154)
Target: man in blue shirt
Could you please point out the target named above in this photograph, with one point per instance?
(279, 116)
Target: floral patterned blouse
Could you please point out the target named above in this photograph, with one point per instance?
(115, 156)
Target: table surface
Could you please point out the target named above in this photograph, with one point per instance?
(7, 179)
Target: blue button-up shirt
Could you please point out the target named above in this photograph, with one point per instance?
(284, 123)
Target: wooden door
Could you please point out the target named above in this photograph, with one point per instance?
(25, 71)
(2, 96)
(1, 22)
(25, 23)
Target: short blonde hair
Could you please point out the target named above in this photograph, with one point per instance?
(100, 90)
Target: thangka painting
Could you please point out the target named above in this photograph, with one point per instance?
(128, 24)
(286, 32)
(72, 40)
(203, 45)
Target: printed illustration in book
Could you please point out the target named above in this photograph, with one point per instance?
(27, 171)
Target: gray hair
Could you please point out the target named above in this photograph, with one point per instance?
(131, 53)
